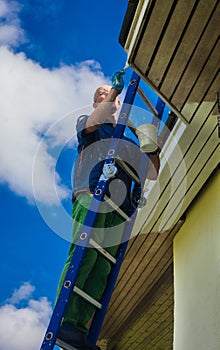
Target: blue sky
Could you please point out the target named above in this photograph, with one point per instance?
(53, 54)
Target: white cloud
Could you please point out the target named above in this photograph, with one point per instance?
(32, 99)
(11, 33)
(23, 328)
(23, 293)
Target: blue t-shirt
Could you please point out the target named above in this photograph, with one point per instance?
(92, 151)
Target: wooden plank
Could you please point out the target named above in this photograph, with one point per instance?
(139, 288)
(117, 306)
(182, 63)
(118, 322)
(196, 176)
(197, 183)
(207, 170)
(156, 329)
(165, 342)
(141, 246)
(142, 259)
(113, 322)
(152, 33)
(156, 336)
(150, 277)
(177, 23)
(138, 328)
(191, 143)
(182, 197)
(158, 291)
(157, 313)
(154, 271)
(158, 326)
(194, 161)
(203, 83)
(198, 132)
(153, 317)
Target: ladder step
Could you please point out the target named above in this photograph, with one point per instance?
(64, 345)
(132, 127)
(127, 169)
(87, 297)
(102, 251)
(115, 206)
(147, 101)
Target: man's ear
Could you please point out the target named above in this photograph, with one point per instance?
(94, 105)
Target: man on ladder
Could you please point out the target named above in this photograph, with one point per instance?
(94, 133)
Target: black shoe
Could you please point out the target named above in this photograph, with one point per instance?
(72, 336)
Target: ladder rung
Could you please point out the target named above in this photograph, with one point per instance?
(115, 206)
(87, 297)
(102, 251)
(64, 345)
(132, 127)
(147, 101)
(127, 169)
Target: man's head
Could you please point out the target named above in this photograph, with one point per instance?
(108, 106)
(100, 95)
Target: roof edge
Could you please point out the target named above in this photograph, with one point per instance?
(128, 19)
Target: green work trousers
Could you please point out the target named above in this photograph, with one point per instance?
(95, 268)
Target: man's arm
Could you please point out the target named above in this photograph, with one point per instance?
(105, 109)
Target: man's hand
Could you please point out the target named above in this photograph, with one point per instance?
(118, 81)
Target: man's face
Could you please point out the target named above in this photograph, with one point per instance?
(110, 108)
(101, 93)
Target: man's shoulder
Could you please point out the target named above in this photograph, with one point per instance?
(80, 123)
(82, 117)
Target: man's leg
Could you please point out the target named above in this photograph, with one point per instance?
(76, 304)
(94, 271)
(97, 280)
(94, 286)
(79, 212)
(74, 314)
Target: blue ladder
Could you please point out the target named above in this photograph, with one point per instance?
(50, 338)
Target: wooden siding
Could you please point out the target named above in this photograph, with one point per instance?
(144, 278)
(197, 156)
(176, 51)
(155, 310)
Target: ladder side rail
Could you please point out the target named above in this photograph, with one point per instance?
(160, 105)
(119, 130)
(99, 316)
(118, 133)
(126, 106)
(83, 241)
(147, 101)
(72, 272)
(61, 303)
